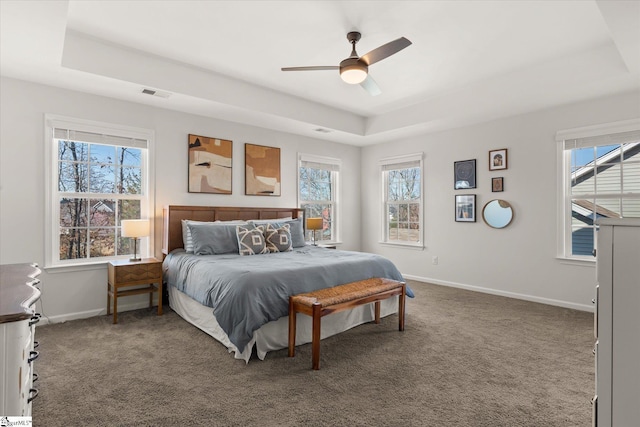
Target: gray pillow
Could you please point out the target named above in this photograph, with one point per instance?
(187, 240)
(295, 228)
(277, 239)
(251, 240)
(213, 238)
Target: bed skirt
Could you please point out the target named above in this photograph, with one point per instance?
(274, 335)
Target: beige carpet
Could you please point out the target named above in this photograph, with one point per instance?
(465, 359)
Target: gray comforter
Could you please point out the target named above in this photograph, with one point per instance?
(247, 292)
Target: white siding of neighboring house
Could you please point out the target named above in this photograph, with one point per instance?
(608, 181)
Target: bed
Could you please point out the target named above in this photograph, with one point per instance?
(242, 301)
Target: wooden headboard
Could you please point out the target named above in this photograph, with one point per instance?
(173, 215)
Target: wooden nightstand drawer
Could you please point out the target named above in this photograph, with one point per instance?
(136, 272)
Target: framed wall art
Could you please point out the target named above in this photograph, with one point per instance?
(262, 170)
(464, 174)
(210, 165)
(466, 208)
(497, 184)
(498, 159)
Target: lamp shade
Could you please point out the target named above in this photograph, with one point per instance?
(135, 227)
(314, 223)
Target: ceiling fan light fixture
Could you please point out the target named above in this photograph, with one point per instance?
(353, 71)
(353, 74)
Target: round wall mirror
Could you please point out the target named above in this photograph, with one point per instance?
(497, 213)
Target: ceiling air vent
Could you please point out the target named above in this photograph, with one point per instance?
(153, 92)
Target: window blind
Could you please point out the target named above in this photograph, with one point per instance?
(401, 162)
(98, 138)
(599, 140)
(318, 162)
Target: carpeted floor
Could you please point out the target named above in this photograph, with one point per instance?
(465, 359)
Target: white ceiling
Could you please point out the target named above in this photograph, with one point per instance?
(470, 61)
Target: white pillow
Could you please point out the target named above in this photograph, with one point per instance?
(270, 221)
(187, 240)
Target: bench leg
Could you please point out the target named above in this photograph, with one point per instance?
(108, 300)
(292, 329)
(315, 339)
(401, 307)
(377, 305)
(159, 298)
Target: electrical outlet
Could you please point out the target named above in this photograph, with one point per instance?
(434, 260)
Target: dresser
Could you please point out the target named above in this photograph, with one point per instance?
(617, 324)
(18, 294)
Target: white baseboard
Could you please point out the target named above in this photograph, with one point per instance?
(548, 301)
(45, 320)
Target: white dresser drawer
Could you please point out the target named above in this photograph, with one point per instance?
(18, 294)
(16, 339)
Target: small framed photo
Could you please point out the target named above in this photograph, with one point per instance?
(464, 174)
(497, 184)
(466, 208)
(498, 159)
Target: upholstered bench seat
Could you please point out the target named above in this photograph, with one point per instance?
(343, 297)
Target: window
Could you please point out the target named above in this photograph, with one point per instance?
(402, 197)
(318, 194)
(601, 179)
(98, 175)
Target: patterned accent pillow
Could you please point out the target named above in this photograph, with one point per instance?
(297, 232)
(251, 240)
(278, 239)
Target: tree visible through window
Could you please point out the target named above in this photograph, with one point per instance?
(99, 180)
(402, 180)
(317, 194)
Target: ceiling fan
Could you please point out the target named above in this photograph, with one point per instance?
(355, 69)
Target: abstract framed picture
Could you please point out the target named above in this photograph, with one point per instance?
(262, 170)
(466, 208)
(497, 184)
(210, 165)
(464, 174)
(498, 159)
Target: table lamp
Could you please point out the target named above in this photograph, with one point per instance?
(314, 224)
(135, 228)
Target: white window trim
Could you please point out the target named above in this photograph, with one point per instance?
(52, 211)
(336, 189)
(406, 158)
(563, 222)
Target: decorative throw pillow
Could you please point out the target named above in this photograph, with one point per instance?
(277, 239)
(295, 228)
(251, 240)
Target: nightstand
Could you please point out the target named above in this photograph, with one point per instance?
(133, 274)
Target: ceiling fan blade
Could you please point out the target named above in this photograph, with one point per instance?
(316, 68)
(371, 86)
(384, 51)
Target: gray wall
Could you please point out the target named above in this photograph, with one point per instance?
(520, 260)
(81, 292)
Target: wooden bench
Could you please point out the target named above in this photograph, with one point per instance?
(338, 298)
